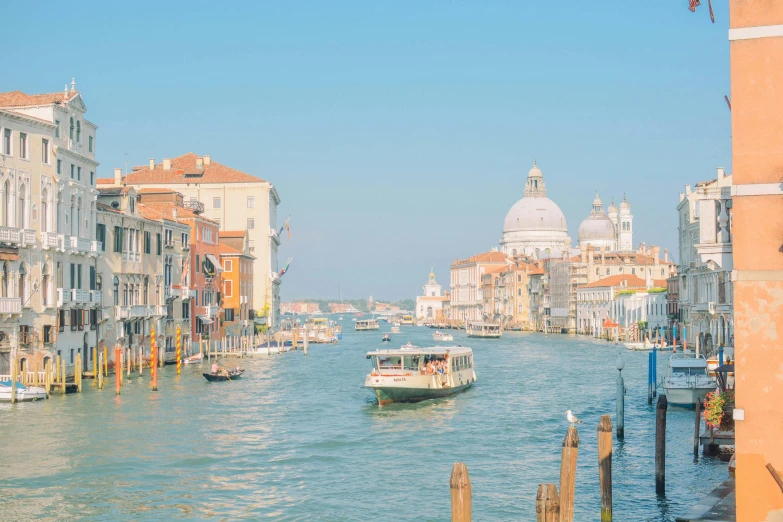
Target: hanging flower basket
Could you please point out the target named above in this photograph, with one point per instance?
(719, 409)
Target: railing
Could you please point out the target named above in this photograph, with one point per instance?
(28, 237)
(95, 297)
(212, 310)
(95, 247)
(52, 240)
(170, 292)
(188, 293)
(10, 305)
(121, 312)
(159, 310)
(195, 205)
(80, 296)
(80, 244)
(63, 297)
(168, 244)
(10, 235)
(74, 145)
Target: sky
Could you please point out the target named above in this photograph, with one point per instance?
(398, 133)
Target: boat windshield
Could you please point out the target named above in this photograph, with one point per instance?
(687, 370)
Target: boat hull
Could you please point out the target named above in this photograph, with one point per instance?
(485, 336)
(686, 396)
(217, 377)
(23, 394)
(392, 395)
(412, 387)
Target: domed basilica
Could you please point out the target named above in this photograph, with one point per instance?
(535, 226)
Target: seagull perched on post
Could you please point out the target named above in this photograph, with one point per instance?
(572, 419)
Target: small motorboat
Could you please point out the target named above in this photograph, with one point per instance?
(386, 337)
(644, 346)
(23, 393)
(687, 380)
(234, 373)
(441, 336)
(193, 359)
(395, 329)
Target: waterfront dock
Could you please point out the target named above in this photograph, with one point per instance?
(719, 506)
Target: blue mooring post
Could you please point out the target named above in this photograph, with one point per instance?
(720, 355)
(654, 372)
(620, 398)
(649, 377)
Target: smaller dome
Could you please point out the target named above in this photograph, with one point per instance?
(612, 208)
(535, 171)
(596, 227)
(625, 205)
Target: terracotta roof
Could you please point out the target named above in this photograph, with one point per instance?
(153, 214)
(660, 283)
(104, 181)
(167, 209)
(632, 281)
(20, 99)
(495, 269)
(537, 271)
(184, 170)
(113, 191)
(161, 190)
(106, 208)
(225, 249)
(486, 257)
(232, 233)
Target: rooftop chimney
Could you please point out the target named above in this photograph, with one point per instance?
(174, 213)
(152, 163)
(666, 254)
(118, 176)
(199, 163)
(590, 256)
(166, 164)
(207, 160)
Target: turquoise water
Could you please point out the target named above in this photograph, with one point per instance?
(299, 439)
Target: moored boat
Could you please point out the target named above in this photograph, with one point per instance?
(193, 359)
(442, 336)
(485, 330)
(407, 320)
(363, 325)
(386, 337)
(687, 380)
(413, 374)
(23, 393)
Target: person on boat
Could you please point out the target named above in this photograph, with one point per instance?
(215, 368)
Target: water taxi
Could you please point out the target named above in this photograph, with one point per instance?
(395, 329)
(442, 336)
(485, 330)
(413, 374)
(363, 325)
(407, 319)
(687, 379)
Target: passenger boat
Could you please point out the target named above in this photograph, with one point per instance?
(386, 337)
(485, 330)
(441, 336)
(687, 380)
(363, 325)
(23, 393)
(407, 374)
(407, 320)
(640, 346)
(395, 329)
(234, 373)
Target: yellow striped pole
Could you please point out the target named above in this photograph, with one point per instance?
(179, 351)
(154, 365)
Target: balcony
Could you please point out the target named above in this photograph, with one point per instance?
(79, 296)
(50, 240)
(195, 205)
(158, 310)
(95, 297)
(168, 244)
(131, 256)
(63, 297)
(188, 293)
(80, 245)
(170, 292)
(28, 237)
(10, 305)
(10, 236)
(212, 310)
(95, 248)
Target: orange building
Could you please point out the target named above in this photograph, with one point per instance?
(237, 315)
(756, 48)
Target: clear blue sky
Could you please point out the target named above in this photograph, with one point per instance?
(399, 133)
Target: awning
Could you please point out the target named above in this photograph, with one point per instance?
(205, 319)
(215, 262)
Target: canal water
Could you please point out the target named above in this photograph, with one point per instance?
(297, 438)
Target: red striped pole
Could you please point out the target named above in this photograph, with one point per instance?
(179, 351)
(154, 365)
(117, 369)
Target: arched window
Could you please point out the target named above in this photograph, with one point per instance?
(21, 211)
(23, 283)
(45, 210)
(59, 210)
(7, 203)
(78, 131)
(71, 132)
(116, 291)
(4, 281)
(45, 292)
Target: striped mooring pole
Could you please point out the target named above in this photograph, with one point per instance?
(154, 362)
(179, 351)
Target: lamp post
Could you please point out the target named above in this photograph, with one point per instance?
(620, 363)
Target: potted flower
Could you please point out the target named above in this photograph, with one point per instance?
(719, 410)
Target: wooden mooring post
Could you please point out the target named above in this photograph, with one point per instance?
(461, 494)
(100, 371)
(605, 466)
(94, 362)
(77, 372)
(547, 503)
(63, 379)
(660, 445)
(14, 377)
(568, 474)
(697, 427)
(48, 375)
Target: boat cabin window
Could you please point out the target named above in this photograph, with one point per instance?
(411, 363)
(389, 362)
(687, 370)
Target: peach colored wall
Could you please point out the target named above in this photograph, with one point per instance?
(757, 231)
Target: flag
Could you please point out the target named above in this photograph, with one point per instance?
(693, 4)
(728, 102)
(286, 226)
(285, 267)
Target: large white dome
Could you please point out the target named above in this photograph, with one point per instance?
(534, 214)
(596, 227)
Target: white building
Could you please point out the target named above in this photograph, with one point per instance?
(429, 305)
(706, 262)
(467, 301)
(48, 197)
(535, 225)
(630, 309)
(597, 301)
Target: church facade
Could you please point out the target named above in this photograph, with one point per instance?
(429, 305)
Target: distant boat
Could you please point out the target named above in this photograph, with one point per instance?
(395, 329)
(366, 324)
(23, 393)
(485, 330)
(228, 376)
(441, 336)
(193, 359)
(386, 337)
